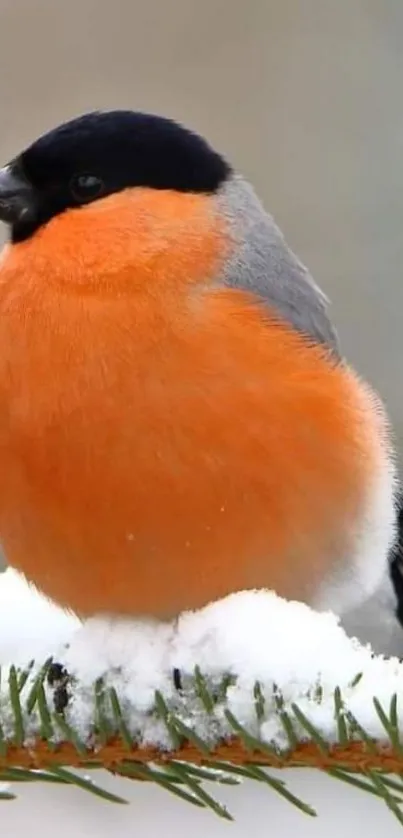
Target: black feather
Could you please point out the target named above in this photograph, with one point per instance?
(396, 559)
(117, 150)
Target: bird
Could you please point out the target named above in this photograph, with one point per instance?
(177, 419)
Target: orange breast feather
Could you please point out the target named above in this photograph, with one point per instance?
(164, 442)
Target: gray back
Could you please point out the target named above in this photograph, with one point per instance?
(263, 264)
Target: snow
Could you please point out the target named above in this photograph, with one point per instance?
(249, 636)
(30, 625)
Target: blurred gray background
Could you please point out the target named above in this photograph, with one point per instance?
(305, 97)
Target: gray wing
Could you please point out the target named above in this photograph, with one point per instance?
(263, 264)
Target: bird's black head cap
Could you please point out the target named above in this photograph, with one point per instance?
(98, 154)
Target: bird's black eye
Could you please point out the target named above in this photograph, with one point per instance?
(86, 187)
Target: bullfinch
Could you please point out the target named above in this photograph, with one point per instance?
(177, 421)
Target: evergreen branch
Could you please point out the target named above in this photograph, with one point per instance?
(27, 709)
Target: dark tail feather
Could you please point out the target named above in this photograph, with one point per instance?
(396, 559)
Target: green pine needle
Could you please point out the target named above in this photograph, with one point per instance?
(202, 691)
(188, 734)
(7, 795)
(396, 785)
(390, 724)
(164, 714)
(19, 735)
(389, 799)
(75, 779)
(226, 682)
(144, 772)
(285, 719)
(206, 773)
(260, 702)
(339, 716)
(120, 722)
(3, 743)
(200, 793)
(393, 711)
(370, 744)
(102, 726)
(250, 743)
(310, 728)
(280, 787)
(69, 733)
(33, 693)
(243, 771)
(28, 775)
(47, 731)
(24, 675)
(346, 777)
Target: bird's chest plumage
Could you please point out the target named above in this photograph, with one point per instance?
(117, 449)
(154, 452)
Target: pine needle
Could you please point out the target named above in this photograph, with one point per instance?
(202, 691)
(75, 779)
(18, 738)
(340, 719)
(199, 792)
(316, 737)
(120, 722)
(144, 772)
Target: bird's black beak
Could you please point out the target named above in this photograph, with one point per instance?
(17, 196)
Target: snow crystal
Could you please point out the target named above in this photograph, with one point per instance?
(248, 637)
